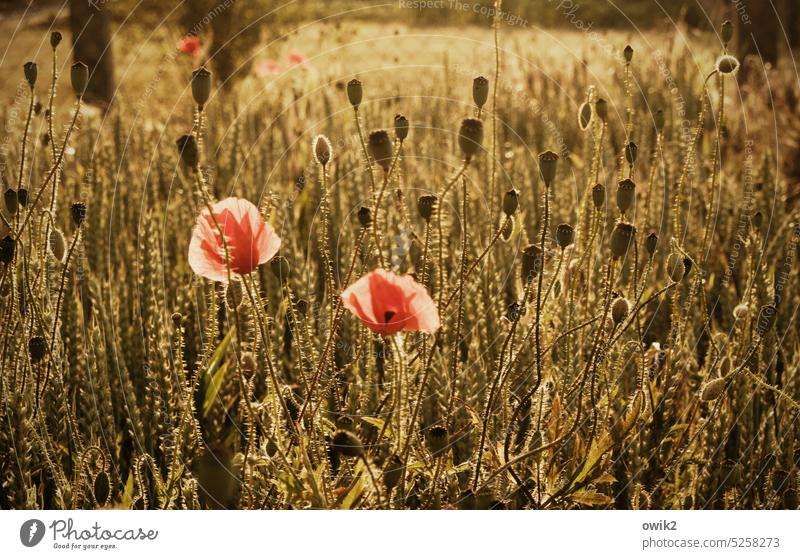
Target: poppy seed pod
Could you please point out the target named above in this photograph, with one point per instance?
(531, 262)
(79, 76)
(565, 235)
(201, 86)
(726, 32)
(621, 238)
(280, 268)
(628, 53)
(437, 439)
(510, 202)
(31, 72)
(631, 150)
(650, 244)
(425, 205)
(585, 116)
(712, 389)
(347, 444)
(598, 195)
(321, 147)
(393, 472)
(480, 91)
(601, 108)
(78, 211)
(620, 309)
(727, 64)
(400, 127)
(658, 119)
(187, 147)
(11, 200)
(37, 348)
(380, 148)
(470, 136)
(676, 269)
(548, 163)
(766, 319)
(355, 92)
(55, 39)
(626, 195)
(7, 246)
(364, 216)
(58, 246)
(22, 197)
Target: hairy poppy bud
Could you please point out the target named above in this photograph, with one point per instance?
(712, 389)
(79, 75)
(598, 195)
(470, 136)
(726, 32)
(532, 257)
(480, 91)
(620, 309)
(322, 149)
(401, 127)
(740, 311)
(11, 200)
(380, 148)
(676, 269)
(631, 150)
(727, 64)
(201, 86)
(280, 268)
(7, 247)
(55, 39)
(766, 319)
(626, 195)
(585, 116)
(347, 444)
(364, 216)
(78, 211)
(601, 108)
(393, 472)
(565, 235)
(650, 244)
(628, 54)
(658, 119)
(425, 205)
(510, 202)
(22, 197)
(58, 246)
(187, 147)
(437, 440)
(621, 239)
(354, 92)
(37, 348)
(31, 72)
(548, 163)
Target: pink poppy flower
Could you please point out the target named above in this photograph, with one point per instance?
(190, 45)
(251, 241)
(267, 67)
(296, 58)
(387, 303)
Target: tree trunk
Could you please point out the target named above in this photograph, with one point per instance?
(91, 43)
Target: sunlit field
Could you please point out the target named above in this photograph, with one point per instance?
(383, 264)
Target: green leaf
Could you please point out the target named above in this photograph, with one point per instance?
(591, 498)
(215, 373)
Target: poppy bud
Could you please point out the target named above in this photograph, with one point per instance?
(548, 163)
(322, 149)
(631, 150)
(601, 108)
(249, 364)
(354, 92)
(621, 238)
(480, 91)
(513, 312)
(280, 268)
(712, 389)
(727, 64)
(187, 147)
(22, 197)
(470, 136)
(78, 211)
(598, 195)
(58, 246)
(740, 311)
(437, 440)
(79, 75)
(766, 319)
(620, 309)
(380, 148)
(393, 472)
(628, 54)
(758, 220)
(650, 244)
(658, 119)
(201, 86)
(401, 127)
(55, 38)
(364, 216)
(425, 205)
(676, 269)
(531, 262)
(101, 488)
(31, 72)
(11, 200)
(510, 202)
(7, 246)
(726, 32)
(347, 444)
(565, 235)
(37, 348)
(585, 116)
(626, 195)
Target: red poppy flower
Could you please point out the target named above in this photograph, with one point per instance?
(267, 67)
(296, 58)
(387, 303)
(250, 240)
(190, 45)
